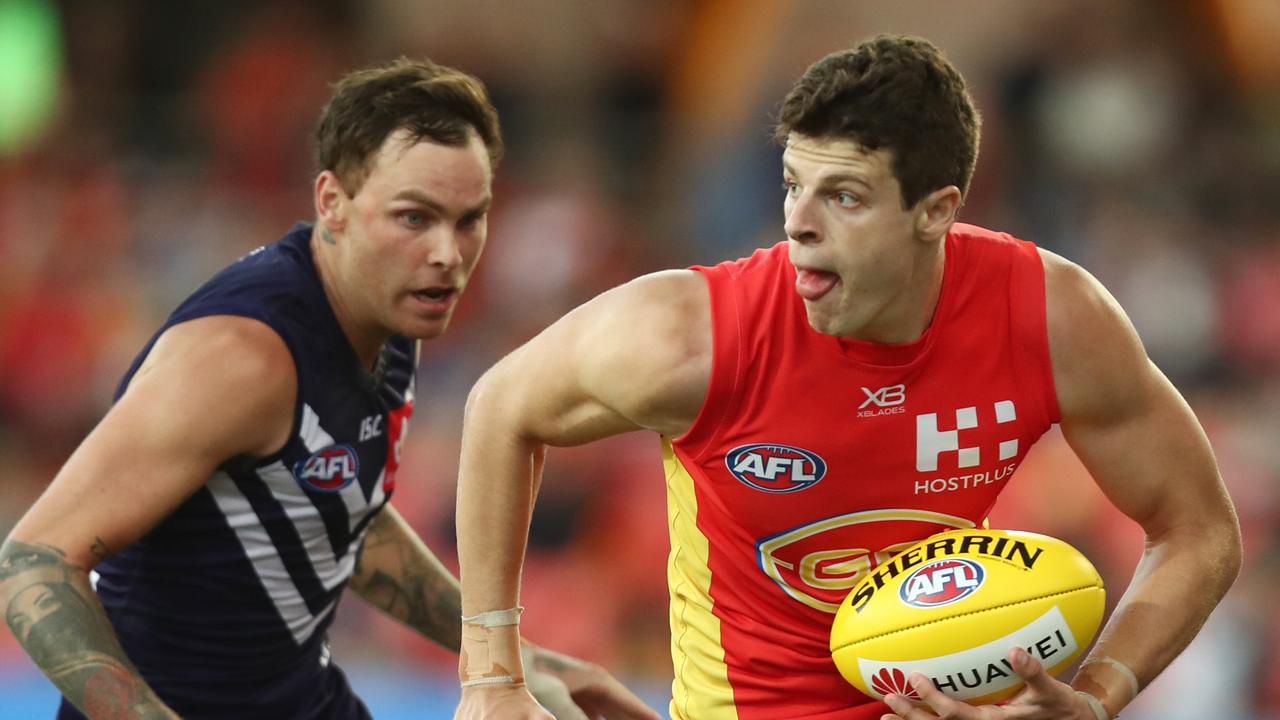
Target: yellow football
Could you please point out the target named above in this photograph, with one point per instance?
(952, 607)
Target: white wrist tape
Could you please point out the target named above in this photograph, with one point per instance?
(495, 618)
(490, 652)
(497, 680)
(1095, 705)
(1120, 668)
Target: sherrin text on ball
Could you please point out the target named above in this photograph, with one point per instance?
(954, 604)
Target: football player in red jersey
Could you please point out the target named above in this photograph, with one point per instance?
(874, 378)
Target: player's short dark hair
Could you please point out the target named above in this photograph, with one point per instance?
(894, 92)
(433, 102)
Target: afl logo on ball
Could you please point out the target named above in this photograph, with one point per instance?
(328, 469)
(775, 468)
(941, 582)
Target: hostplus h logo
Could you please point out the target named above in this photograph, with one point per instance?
(931, 442)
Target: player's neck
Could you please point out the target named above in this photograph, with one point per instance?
(365, 338)
(906, 316)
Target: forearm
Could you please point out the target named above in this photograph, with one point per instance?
(1180, 579)
(497, 484)
(59, 621)
(397, 573)
(498, 480)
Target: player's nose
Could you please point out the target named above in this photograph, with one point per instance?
(445, 250)
(800, 224)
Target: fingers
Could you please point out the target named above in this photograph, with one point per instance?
(616, 702)
(1031, 670)
(591, 687)
(553, 695)
(904, 710)
(940, 706)
(944, 705)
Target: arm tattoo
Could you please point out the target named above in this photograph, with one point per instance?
(397, 574)
(55, 615)
(99, 549)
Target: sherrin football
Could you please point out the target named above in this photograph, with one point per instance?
(954, 604)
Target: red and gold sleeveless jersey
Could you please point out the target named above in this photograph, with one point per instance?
(814, 458)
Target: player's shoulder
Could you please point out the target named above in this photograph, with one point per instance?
(1094, 348)
(232, 351)
(1069, 288)
(665, 309)
(277, 278)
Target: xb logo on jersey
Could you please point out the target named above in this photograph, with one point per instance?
(328, 469)
(775, 468)
(887, 400)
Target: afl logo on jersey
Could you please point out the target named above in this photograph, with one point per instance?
(941, 582)
(328, 469)
(775, 468)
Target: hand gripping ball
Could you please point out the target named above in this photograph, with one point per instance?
(952, 607)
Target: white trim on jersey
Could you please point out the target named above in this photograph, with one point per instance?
(307, 521)
(263, 556)
(315, 438)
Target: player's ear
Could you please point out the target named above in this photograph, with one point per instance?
(331, 201)
(936, 213)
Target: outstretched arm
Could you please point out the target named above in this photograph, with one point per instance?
(147, 455)
(636, 357)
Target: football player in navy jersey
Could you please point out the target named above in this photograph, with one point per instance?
(240, 480)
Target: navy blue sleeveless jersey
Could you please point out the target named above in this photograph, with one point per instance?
(224, 605)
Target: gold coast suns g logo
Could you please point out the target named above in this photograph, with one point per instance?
(819, 563)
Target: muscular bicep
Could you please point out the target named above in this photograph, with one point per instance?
(1121, 415)
(211, 389)
(636, 357)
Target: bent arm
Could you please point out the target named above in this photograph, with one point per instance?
(636, 357)
(1144, 447)
(397, 573)
(184, 413)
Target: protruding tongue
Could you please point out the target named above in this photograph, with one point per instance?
(813, 284)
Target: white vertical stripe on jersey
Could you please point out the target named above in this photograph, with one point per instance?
(315, 438)
(264, 557)
(310, 525)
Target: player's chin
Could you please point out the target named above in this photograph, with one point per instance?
(822, 319)
(425, 327)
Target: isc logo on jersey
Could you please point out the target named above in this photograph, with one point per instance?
(941, 582)
(328, 469)
(775, 468)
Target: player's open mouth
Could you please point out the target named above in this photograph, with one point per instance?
(813, 284)
(436, 298)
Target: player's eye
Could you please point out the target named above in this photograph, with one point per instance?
(413, 218)
(846, 199)
(791, 189)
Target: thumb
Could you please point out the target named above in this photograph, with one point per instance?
(1030, 669)
(554, 696)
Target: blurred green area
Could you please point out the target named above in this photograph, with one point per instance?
(31, 58)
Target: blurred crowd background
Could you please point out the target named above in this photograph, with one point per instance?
(145, 144)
